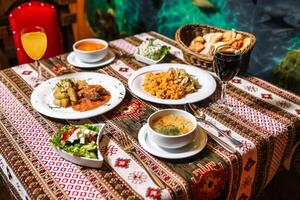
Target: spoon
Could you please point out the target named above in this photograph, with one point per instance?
(217, 139)
(202, 117)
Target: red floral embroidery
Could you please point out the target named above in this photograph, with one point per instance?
(153, 193)
(236, 80)
(246, 146)
(266, 96)
(103, 191)
(109, 150)
(298, 111)
(137, 177)
(123, 69)
(210, 184)
(26, 72)
(129, 109)
(122, 163)
(60, 69)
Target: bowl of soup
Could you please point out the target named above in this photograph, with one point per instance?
(172, 128)
(90, 50)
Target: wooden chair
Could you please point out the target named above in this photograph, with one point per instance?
(65, 19)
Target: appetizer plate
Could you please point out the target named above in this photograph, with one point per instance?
(73, 60)
(150, 44)
(87, 162)
(146, 60)
(191, 149)
(207, 82)
(42, 96)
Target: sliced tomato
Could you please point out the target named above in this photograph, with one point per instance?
(65, 136)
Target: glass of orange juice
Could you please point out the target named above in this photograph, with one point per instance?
(34, 42)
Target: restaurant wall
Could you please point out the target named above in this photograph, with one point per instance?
(275, 23)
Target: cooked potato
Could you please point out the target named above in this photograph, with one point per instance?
(80, 84)
(60, 95)
(65, 84)
(57, 102)
(72, 94)
(65, 102)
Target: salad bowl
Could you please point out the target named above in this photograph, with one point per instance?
(150, 53)
(79, 144)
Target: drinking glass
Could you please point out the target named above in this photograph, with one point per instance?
(34, 42)
(227, 61)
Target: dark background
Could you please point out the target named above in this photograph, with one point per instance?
(275, 23)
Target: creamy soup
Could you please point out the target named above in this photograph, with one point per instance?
(89, 46)
(172, 124)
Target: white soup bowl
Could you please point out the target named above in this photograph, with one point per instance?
(93, 55)
(171, 141)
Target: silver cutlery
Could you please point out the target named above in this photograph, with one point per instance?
(200, 116)
(128, 146)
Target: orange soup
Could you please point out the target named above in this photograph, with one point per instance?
(89, 46)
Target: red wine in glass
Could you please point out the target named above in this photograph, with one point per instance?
(227, 61)
(227, 64)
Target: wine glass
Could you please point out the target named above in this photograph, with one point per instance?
(34, 42)
(227, 61)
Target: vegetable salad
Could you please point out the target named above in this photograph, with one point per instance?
(151, 50)
(79, 140)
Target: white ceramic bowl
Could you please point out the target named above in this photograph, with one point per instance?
(170, 141)
(90, 56)
(87, 162)
(146, 60)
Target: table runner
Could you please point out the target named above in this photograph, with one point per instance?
(266, 120)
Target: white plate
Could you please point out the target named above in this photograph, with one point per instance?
(207, 82)
(42, 96)
(184, 152)
(87, 162)
(73, 60)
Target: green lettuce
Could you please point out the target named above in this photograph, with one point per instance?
(88, 150)
(163, 52)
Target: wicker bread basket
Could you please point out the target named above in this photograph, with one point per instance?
(187, 33)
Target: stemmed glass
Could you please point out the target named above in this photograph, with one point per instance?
(227, 61)
(34, 42)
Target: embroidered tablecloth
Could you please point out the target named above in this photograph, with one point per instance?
(265, 119)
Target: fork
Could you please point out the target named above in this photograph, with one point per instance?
(129, 148)
(202, 117)
(215, 138)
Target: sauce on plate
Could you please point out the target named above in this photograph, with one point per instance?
(87, 104)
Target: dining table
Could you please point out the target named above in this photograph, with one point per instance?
(265, 119)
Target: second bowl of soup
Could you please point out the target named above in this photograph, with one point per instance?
(172, 128)
(90, 50)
